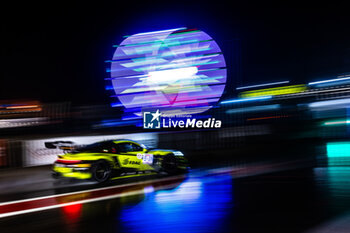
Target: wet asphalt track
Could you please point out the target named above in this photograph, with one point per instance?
(300, 200)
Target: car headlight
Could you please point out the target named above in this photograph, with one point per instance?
(178, 153)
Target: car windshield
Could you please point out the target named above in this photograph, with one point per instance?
(95, 147)
(99, 147)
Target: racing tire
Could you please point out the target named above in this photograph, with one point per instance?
(101, 171)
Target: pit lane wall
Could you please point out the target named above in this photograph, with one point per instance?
(28, 152)
(225, 146)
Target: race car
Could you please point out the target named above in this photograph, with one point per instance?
(115, 159)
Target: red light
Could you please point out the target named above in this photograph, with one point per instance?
(72, 213)
(72, 209)
(67, 161)
(268, 117)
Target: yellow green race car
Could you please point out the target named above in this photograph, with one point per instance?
(114, 159)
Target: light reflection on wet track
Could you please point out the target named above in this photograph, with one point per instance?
(196, 205)
(289, 201)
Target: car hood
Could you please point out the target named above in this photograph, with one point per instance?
(164, 152)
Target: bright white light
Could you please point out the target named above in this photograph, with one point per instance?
(178, 153)
(162, 31)
(330, 80)
(337, 122)
(171, 75)
(22, 122)
(246, 99)
(328, 103)
(148, 189)
(188, 191)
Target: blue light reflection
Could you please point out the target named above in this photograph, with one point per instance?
(196, 205)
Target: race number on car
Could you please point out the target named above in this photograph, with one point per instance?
(146, 158)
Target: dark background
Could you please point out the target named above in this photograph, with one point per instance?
(56, 51)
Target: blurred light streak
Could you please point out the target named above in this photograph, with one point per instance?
(317, 91)
(130, 77)
(172, 75)
(22, 122)
(338, 149)
(174, 66)
(327, 103)
(274, 91)
(114, 123)
(331, 84)
(164, 54)
(189, 110)
(340, 122)
(160, 31)
(329, 80)
(113, 105)
(254, 109)
(262, 85)
(9, 107)
(187, 191)
(22, 106)
(266, 118)
(245, 100)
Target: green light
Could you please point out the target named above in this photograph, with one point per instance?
(338, 149)
(274, 91)
(186, 32)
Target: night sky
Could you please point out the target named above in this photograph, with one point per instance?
(56, 52)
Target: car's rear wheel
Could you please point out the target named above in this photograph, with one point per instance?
(101, 171)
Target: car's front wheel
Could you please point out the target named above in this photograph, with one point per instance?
(101, 171)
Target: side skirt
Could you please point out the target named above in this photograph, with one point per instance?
(136, 174)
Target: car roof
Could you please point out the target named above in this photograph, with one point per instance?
(123, 140)
(116, 141)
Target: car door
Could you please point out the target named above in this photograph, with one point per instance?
(126, 156)
(141, 153)
(129, 156)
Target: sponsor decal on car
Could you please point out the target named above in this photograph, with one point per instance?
(128, 161)
(146, 158)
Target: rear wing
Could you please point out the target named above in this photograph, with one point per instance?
(63, 145)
